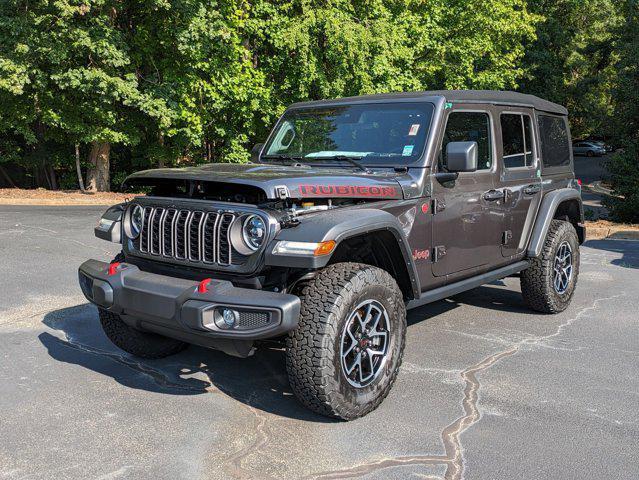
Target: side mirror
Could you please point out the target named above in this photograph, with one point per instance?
(255, 152)
(461, 156)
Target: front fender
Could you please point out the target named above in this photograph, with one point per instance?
(109, 227)
(546, 214)
(338, 225)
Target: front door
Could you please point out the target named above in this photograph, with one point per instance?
(519, 179)
(466, 220)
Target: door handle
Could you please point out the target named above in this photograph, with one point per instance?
(493, 195)
(532, 189)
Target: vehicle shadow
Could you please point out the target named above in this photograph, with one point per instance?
(628, 249)
(259, 381)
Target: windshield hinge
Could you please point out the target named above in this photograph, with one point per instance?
(281, 192)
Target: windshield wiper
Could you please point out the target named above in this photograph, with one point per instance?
(342, 158)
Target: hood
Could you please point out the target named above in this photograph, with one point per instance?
(277, 180)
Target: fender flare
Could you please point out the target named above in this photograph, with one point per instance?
(545, 215)
(340, 225)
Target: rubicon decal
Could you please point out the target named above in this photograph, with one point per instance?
(347, 191)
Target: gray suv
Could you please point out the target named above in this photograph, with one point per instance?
(353, 211)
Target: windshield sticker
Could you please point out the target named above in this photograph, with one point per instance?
(347, 191)
(408, 150)
(414, 128)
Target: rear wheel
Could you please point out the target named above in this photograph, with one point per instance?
(549, 283)
(136, 342)
(343, 358)
(590, 153)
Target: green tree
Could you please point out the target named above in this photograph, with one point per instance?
(159, 83)
(624, 166)
(571, 61)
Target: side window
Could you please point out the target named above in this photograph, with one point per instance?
(516, 134)
(555, 147)
(470, 127)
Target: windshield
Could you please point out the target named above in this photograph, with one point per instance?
(373, 133)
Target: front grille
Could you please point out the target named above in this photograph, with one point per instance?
(188, 235)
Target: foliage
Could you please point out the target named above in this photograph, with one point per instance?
(624, 167)
(195, 80)
(190, 81)
(624, 178)
(571, 60)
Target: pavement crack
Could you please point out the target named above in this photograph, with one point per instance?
(453, 456)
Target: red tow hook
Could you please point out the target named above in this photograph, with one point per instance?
(113, 268)
(203, 286)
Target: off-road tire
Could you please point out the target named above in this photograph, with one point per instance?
(313, 355)
(136, 342)
(537, 280)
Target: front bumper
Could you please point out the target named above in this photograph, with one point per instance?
(176, 308)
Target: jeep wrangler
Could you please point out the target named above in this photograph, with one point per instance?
(352, 212)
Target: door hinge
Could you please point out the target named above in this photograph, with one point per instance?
(438, 252)
(438, 206)
(506, 237)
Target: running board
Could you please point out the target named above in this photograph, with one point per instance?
(466, 284)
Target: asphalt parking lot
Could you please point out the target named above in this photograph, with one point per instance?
(488, 389)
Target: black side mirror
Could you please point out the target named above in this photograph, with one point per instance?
(461, 156)
(255, 152)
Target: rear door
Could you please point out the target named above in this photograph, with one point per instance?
(466, 225)
(519, 177)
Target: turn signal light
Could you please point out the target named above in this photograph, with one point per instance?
(324, 248)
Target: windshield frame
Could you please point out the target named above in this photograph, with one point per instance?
(381, 162)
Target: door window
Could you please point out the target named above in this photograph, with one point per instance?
(470, 127)
(516, 134)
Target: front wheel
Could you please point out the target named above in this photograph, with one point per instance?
(136, 342)
(548, 284)
(344, 356)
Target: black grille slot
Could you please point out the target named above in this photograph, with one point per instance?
(167, 233)
(210, 238)
(224, 253)
(180, 234)
(156, 233)
(195, 223)
(144, 234)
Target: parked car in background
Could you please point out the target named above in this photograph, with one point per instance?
(589, 148)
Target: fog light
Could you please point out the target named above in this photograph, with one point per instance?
(226, 318)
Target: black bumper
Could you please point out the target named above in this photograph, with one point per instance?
(175, 307)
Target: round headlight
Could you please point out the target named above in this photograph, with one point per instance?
(253, 232)
(135, 221)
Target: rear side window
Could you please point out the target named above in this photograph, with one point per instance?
(470, 127)
(516, 133)
(555, 146)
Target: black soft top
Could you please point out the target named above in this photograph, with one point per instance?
(497, 97)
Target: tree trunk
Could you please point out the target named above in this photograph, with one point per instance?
(98, 173)
(7, 177)
(161, 157)
(77, 166)
(51, 175)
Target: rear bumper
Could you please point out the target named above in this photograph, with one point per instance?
(174, 307)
